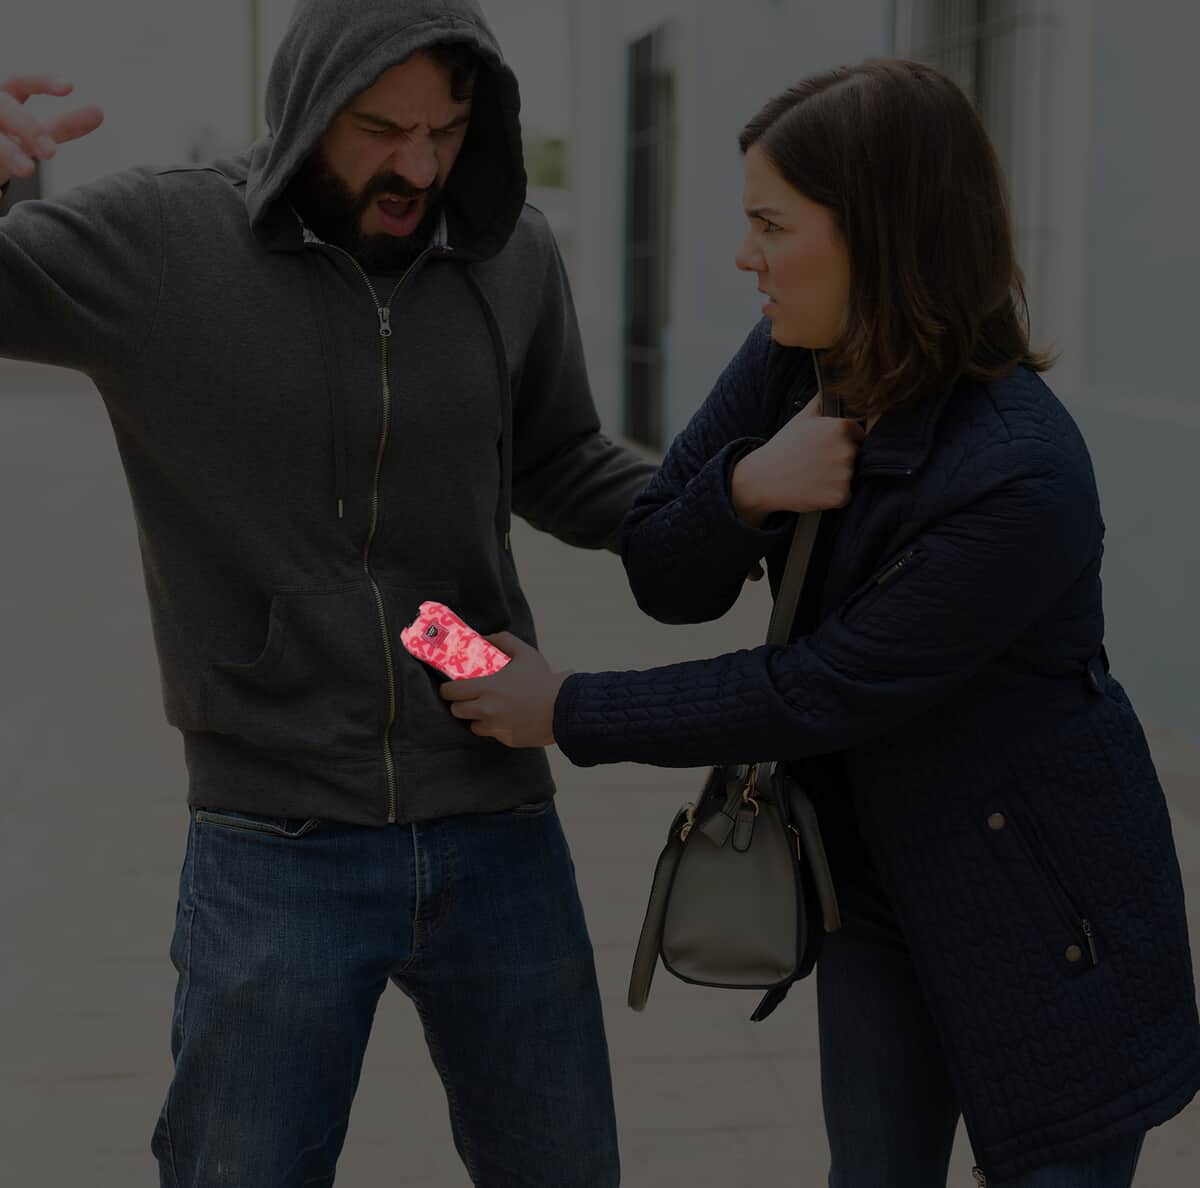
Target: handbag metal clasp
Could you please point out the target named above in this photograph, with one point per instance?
(691, 820)
(748, 797)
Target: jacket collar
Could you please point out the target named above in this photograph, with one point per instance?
(901, 441)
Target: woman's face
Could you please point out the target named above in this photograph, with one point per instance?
(795, 249)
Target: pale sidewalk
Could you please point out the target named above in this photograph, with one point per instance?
(94, 829)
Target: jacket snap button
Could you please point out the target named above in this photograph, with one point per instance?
(996, 821)
(1074, 953)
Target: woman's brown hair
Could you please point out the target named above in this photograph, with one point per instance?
(896, 151)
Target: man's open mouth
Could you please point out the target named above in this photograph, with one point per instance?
(401, 215)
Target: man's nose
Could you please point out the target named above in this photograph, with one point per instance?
(416, 163)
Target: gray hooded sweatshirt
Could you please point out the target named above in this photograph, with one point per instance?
(313, 451)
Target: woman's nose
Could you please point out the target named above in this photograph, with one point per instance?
(748, 259)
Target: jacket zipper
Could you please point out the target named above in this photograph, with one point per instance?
(1066, 904)
(881, 579)
(894, 569)
(980, 1178)
(384, 313)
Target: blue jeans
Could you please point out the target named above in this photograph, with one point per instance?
(890, 1108)
(287, 932)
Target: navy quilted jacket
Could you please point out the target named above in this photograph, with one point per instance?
(1001, 780)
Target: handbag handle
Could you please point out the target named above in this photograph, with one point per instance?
(783, 613)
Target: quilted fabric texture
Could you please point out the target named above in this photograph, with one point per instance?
(998, 771)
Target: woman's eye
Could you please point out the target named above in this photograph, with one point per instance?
(769, 227)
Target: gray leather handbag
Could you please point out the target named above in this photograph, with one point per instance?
(742, 892)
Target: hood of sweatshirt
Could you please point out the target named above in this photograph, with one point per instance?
(334, 50)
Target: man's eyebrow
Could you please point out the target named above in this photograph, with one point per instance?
(384, 122)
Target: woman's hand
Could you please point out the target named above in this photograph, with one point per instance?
(807, 466)
(24, 138)
(516, 705)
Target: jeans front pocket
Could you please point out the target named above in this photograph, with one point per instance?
(285, 827)
(534, 808)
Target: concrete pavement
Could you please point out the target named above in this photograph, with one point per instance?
(93, 789)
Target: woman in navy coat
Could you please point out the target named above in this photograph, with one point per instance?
(1014, 945)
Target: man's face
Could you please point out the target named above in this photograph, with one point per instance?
(374, 185)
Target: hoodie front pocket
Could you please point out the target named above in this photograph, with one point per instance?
(319, 683)
(424, 721)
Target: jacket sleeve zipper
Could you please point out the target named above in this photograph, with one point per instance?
(890, 573)
(894, 569)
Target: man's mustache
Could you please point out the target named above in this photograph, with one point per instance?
(398, 187)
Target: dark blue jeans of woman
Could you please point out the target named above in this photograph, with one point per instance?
(890, 1107)
(287, 933)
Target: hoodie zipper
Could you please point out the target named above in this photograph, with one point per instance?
(384, 313)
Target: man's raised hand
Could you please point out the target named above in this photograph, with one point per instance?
(24, 139)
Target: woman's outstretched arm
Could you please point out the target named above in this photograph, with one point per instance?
(974, 581)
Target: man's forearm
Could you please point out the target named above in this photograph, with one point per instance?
(582, 494)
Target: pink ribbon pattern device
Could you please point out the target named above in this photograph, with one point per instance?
(441, 639)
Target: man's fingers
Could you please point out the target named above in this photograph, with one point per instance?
(33, 137)
(22, 86)
(74, 124)
(19, 123)
(13, 162)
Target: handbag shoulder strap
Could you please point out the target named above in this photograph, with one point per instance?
(783, 614)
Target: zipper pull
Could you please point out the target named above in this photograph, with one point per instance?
(385, 322)
(1086, 925)
(980, 1178)
(888, 574)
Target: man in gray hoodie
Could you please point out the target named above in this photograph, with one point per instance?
(334, 366)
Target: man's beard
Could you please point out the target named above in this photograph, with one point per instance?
(332, 209)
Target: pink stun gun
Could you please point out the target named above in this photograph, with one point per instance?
(441, 639)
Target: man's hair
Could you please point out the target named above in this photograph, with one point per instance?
(463, 64)
(897, 153)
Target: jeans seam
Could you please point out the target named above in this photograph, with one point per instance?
(417, 903)
(187, 987)
(465, 1149)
